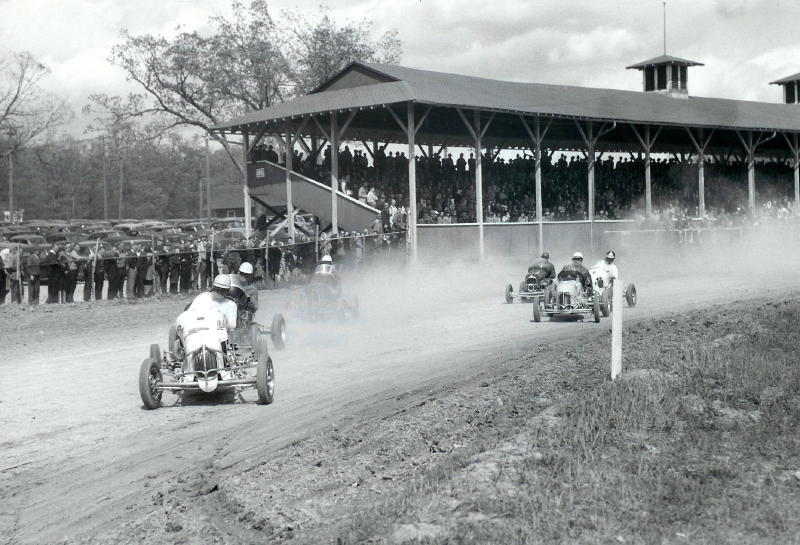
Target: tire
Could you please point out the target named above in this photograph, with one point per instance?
(630, 295)
(149, 375)
(278, 331)
(254, 334)
(265, 377)
(173, 339)
(509, 292)
(537, 311)
(596, 309)
(522, 287)
(605, 303)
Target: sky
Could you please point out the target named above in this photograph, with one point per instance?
(744, 44)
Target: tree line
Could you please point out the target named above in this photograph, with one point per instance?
(143, 155)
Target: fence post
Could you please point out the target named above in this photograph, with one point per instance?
(616, 329)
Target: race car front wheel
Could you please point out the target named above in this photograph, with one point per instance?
(149, 376)
(265, 375)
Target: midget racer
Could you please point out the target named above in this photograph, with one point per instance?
(574, 295)
(212, 347)
(604, 273)
(538, 282)
(323, 294)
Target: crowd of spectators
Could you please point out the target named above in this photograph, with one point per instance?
(133, 271)
(446, 186)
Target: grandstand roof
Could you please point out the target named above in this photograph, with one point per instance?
(371, 86)
(664, 59)
(787, 79)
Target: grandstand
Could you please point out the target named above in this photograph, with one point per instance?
(377, 105)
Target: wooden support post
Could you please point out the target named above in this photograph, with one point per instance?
(647, 144)
(334, 172)
(750, 149)
(590, 139)
(289, 155)
(537, 135)
(245, 188)
(479, 183)
(700, 145)
(795, 149)
(412, 181)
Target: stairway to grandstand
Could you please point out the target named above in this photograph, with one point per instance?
(267, 182)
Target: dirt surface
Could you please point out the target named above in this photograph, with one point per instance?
(84, 462)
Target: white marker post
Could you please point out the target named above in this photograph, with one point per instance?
(616, 329)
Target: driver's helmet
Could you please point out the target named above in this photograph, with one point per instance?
(246, 268)
(578, 256)
(222, 283)
(326, 259)
(545, 256)
(610, 257)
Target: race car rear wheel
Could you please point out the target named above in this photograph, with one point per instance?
(509, 292)
(155, 352)
(265, 375)
(537, 310)
(630, 295)
(149, 376)
(596, 309)
(605, 303)
(278, 331)
(255, 334)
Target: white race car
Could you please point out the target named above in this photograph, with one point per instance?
(570, 299)
(601, 284)
(202, 354)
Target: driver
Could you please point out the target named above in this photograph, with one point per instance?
(607, 265)
(216, 302)
(326, 274)
(576, 270)
(246, 275)
(543, 264)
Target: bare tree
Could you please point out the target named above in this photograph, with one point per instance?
(250, 62)
(26, 110)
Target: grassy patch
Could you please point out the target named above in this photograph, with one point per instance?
(701, 444)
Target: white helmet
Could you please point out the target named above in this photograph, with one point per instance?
(222, 282)
(246, 268)
(577, 255)
(326, 259)
(610, 256)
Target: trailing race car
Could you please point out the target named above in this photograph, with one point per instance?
(570, 299)
(323, 294)
(601, 284)
(204, 354)
(535, 284)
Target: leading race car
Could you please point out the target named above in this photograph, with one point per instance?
(601, 285)
(536, 284)
(570, 299)
(206, 353)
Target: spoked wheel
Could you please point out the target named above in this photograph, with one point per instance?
(278, 331)
(630, 295)
(605, 303)
(537, 309)
(596, 309)
(509, 292)
(149, 376)
(265, 375)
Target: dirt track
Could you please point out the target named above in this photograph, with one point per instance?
(80, 454)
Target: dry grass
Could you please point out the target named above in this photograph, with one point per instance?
(703, 447)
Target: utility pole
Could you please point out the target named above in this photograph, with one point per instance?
(105, 179)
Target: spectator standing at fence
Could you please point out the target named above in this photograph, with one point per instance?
(274, 256)
(98, 276)
(34, 270)
(3, 275)
(72, 259)
(162, 266)
(50, 266)
(174, 269)
(87, 265)
(12, 265)
(186, 264)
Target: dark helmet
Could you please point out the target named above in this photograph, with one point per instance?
(545, 256)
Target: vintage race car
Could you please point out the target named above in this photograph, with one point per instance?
(570, 299)
(203, 355)
(534, 285)
(323, 296)
(601, 284)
